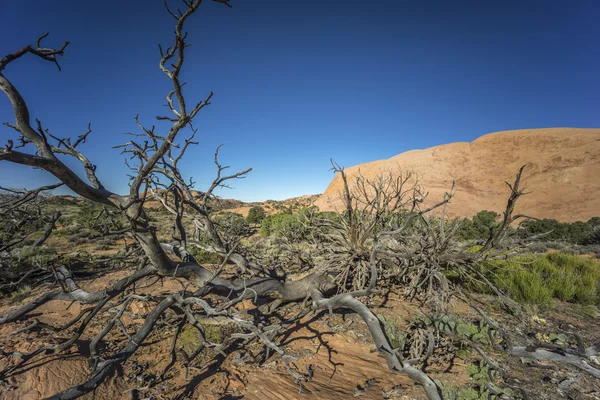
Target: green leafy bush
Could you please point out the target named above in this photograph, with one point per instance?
(480, 227)
(481, 386)
(524, 285)
(281, 225)
(203, 256)
(448, 323)
(585, 273)
(256, 215)
(583, 233)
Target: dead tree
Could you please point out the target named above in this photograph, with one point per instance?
(385, 224)
(154, 157)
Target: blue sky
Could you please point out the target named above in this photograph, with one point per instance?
(299, 82)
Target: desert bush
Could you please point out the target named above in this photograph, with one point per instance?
(537, 280)
(98, 218)
(539, 247)
(552, 230)
(526, 286)
(78, 240)
(592, 249)
(585, 273)
(452, 324)
(232, 227)
(20, 294)
(232, 224)
(480, 227)
(205, 257)
(71, 229)
(106, 241)
(190, 337)
(256, 215)
(546, 230)
(283, 224)
(480, 387)
(27, 256)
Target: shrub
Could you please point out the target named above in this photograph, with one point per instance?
(232, 228)
(256, 215)
(26, 256)
(582, 233)
(527, 287)
(276, 224)
(480, 227)
(79, 240)
(539, 247)
(21, 294)
(537, 280)
(190, 338)
(592, 249)
(62, 232)
(231, 224)
(584, 272)
(300, 226)
(205, 257)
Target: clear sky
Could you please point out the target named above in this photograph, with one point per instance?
(299, 82)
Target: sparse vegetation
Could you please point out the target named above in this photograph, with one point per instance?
(20, 294)
(386, 239)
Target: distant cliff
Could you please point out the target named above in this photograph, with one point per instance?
(562, 176)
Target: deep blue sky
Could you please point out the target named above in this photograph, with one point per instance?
(298, 82)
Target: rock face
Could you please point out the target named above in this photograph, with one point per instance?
(562, 173)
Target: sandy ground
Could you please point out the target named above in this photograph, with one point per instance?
(342, 358)
(338, 347)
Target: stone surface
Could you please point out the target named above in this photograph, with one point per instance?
(562, 173)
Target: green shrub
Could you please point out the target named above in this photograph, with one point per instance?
(452, 324)
(537, 280)
(205, 257)
(586, 275)
(583, 233)
(27, 256)
(61, 232)
(526, 286)
(190, 339)
(77, 240)
(256, 215)
(480, 227)
(481, 387)
(280, 225)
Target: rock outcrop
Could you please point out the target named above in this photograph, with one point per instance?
(562, 174)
